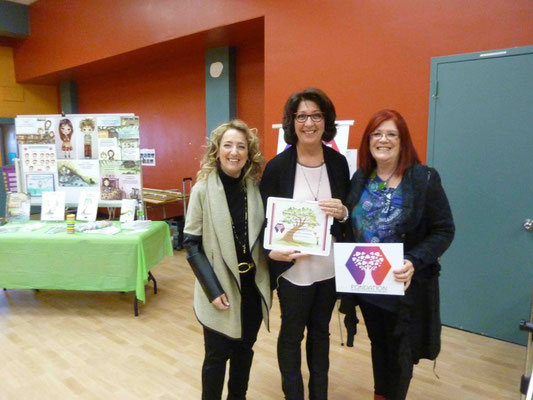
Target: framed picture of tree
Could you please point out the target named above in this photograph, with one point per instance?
(298, 225)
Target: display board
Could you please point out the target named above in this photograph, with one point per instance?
(80, 152)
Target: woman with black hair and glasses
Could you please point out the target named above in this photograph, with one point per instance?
(308, 170)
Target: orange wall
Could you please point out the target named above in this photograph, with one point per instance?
(366, 55)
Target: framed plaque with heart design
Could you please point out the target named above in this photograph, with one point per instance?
(367, 267)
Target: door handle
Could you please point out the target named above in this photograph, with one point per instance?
(528, 225)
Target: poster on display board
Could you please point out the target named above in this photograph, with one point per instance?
(75, 152)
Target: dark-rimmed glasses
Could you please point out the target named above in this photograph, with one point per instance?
(302, 117)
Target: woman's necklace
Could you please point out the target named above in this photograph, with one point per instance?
(241, 244)
(384, 183)
(315, 196)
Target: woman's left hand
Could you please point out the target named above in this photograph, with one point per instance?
(405, 274)
(333, 208)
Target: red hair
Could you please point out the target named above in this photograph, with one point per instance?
(408, 155)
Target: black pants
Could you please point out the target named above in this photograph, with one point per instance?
(391, 362)
(305, 307)
(220, 348)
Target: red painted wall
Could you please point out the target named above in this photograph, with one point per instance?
(369, 55)
(366, 55)
(168, 95)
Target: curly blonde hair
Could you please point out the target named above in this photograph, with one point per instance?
(252, 168)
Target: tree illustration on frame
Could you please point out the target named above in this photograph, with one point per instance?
(299, 218)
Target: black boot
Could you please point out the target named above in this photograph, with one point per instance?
(350, 322)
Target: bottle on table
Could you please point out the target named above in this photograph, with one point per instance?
(140, 211)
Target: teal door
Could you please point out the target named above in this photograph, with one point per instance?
(480, 139)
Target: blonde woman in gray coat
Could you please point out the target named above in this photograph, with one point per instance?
(222, 238)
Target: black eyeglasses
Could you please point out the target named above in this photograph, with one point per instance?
(315, 117)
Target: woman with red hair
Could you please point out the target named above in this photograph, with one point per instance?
(395, 199)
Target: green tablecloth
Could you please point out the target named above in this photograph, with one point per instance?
(82, 261)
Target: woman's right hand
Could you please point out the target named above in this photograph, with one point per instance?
(221, 302)
(286, 255)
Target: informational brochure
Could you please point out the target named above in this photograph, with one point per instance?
(9, 229)
(78, 174)
(297, 225)
(36, 130)
(129, 128)
(9, 174)
(110, 230)
(53, 206)
(120, 179)
(87, 205)
(55, 229)
(367, 267)
(129, 149)
(108, 149)
(37, 184)
(127, 210)
(38, 158)
(18, 207)
(148, 157)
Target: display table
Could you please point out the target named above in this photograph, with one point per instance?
(160, 198)
(82, 261)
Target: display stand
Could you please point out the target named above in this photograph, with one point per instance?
(76, 152)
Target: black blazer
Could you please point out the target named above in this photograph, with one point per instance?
(426, 227)
(278, 181)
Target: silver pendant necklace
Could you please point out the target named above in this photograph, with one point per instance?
(315, 196)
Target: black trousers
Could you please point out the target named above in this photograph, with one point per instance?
(220, 348)
(391, 362)
(305, 307)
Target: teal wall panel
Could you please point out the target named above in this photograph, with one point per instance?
(68, 93)
(220, 93)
